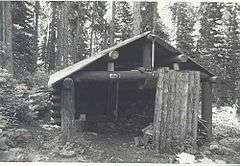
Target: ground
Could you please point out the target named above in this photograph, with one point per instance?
(110, 144)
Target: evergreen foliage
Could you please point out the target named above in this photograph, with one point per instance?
(124, 20)
(23, 38)
(151, 21)
(184, 17)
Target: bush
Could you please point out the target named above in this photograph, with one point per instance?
(13, 98)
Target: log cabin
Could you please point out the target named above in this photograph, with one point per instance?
(110, 80)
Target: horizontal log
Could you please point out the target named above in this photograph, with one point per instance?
(113, 55)
(55, 98)
(206, 78)
(133, 75)
(56, 106)
(215, 79)
(175, 59)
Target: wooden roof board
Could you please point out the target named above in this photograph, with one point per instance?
(59, 75)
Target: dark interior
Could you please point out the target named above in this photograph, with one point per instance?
(91, 99)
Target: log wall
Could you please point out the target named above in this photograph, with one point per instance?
(177, 103)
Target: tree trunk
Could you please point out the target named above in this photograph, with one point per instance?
(112, 27)
(137, 19)
(68, 109)
(65, 35)
(154, 17)
(37, 7)
(92, 30)
(59, 42)
(52, 39)
(6, 35)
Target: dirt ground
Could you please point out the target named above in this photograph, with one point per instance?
(114, 144)
(106, 146)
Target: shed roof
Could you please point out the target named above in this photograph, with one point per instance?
(59, 75)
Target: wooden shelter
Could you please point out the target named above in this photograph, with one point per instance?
(99, 84)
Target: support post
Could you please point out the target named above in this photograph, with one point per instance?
(147, 56)
(207, 106)
(67, 109)
(176, 66)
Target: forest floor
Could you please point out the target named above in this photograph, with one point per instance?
(114, 145)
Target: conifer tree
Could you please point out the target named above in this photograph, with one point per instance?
(232, 57)
(151, 19)
(184, 17)
(23, 37)
(211, 42)
(124, 20)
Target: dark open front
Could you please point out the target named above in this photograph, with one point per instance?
(92, 99)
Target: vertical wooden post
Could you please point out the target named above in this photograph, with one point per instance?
(176, 66)
(110, 66)
(207, 105)
(153, 54)
(67, 109)
(147, 56)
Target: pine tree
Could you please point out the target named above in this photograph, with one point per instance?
(151, 21)
(184, 18)
(211, 42)
(23, 38)
(79, 13)
(232, 57)
(98, 25)
(124, 20)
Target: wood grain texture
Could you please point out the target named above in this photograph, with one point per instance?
(68, 109)
(176, 107)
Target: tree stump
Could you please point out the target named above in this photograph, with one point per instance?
(67, 109)
(176, 107)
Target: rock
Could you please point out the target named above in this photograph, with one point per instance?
(207, 152)
(233, 143)
(3, 80)
(3, 122)
(185, 158)
(3, 145)
(1, 131)
(50, 127)
(92, 133)
(213, 147)
(220, 162)
(67, 154)
(111, 125)
(10, 155)
(22, 87)
(22, 135)
(206, 160)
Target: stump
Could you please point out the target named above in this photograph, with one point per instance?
(176, 107)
